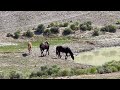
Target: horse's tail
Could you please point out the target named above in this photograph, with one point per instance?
(71, 53)
(56, 51)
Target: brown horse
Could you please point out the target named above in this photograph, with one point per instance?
(29, 47)
(43, 46)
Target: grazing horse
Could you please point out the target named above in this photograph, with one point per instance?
(65, 50)
(43, 46)
(29, 47)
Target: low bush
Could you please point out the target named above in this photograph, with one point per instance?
(95, 32)
(67, 31)
(28, 34)
(15, 75)
(17, 34)
(109, 28)
(54, 30)
(40, 29)
(47, 32)
(86, 26)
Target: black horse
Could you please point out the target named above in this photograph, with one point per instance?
(43, 46)
(65, 50)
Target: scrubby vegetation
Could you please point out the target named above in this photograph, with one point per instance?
(86, 26)
(28, 34)
(109, 67)
(67, 31)
(17, 34)
(56, 71)
(40, 29)
(95, 32)
(47, 32)
(54, 30)
(109, 28)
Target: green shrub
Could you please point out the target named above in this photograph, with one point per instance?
(93, 70)
(76, 23)
(28, 33)
(54, 70)
(86, 26)
(40, 28)
(109, 28)
(95, 33)
(54, 30)
(52, 24)
(73, 27)
(1, 76)
(118, 22)
(88, 23)
(33, 74)
(100, 70)
(80, 71)
(17, 34)
(15, 75)
(67, 31)
(44, 68)
(47, 32)
(64, 72)
(65, 24)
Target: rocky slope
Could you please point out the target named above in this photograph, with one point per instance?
(12, 20)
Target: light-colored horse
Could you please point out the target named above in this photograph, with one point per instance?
(29, 47)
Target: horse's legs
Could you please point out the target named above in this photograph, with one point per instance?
(41, 52)
(66, 56)
(59, 55)
(48, 51)
(29, 49)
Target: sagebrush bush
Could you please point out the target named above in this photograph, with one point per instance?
(28, 34)
(100, 70)
(47, 32)
(1, 75)
(118, 22)
(17, 34)
(76, 23)
(40, 29)
(95, 33)
(65, 24)
(73, 26)
(54, 30)
(33, 74)
(86, 26)
(93, 70)
(109, 28)
(52, 24)
(44, 68)
(15, 75)
(64, 72)
(54, 70)
(67, 31)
